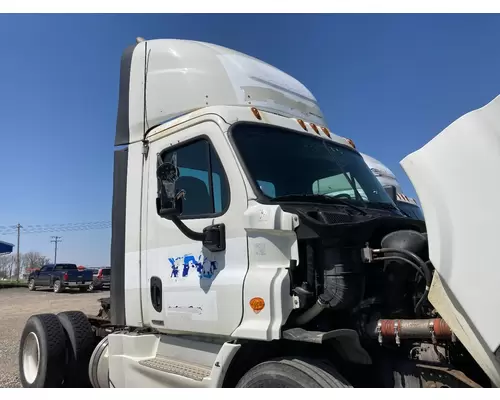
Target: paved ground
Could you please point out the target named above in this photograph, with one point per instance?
(17, 305)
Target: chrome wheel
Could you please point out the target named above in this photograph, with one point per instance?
(31, 284)
(31, 358)
(91, 287)
(57, 286)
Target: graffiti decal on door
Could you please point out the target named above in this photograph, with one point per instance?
(182, 266)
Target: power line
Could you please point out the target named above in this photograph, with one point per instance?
(46, 228)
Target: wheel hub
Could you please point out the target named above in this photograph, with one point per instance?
(31, 357)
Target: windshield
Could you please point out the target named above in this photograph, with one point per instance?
(283, 163)
(411, 210)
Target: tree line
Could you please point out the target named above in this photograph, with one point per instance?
(9, 266)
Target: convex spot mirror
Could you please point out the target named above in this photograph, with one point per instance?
(169, 201)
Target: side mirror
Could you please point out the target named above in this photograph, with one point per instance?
(169, 205)
(169, 202)
(392, 192)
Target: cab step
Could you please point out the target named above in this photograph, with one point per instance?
(186, 370)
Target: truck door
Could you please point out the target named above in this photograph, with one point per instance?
(185, 286)
(43, 278)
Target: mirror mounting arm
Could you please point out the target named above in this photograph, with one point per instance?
(197, 236)
(213, 237)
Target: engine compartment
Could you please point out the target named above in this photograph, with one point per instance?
(370, 272)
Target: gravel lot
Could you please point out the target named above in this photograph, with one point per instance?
(17, 305)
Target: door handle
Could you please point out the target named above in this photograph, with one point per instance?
(156, 293)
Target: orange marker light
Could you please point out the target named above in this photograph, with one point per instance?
(326, 131)
(315, 128)
(302, 124)
(256, 113)
(257, 304)
(351, 143)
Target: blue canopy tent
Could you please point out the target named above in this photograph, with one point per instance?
(6, 248)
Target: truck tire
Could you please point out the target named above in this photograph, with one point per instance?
(31, 285)
(293, 372)
(57, 286)
(42, 352)
(80, 343)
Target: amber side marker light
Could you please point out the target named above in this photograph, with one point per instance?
(326, 131)
(256, 113)
(351, 143)
(315, 128)
(302, 124)
(257, 304)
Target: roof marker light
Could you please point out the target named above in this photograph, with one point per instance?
(326, 131)
(302, 124)
(350, 143)
(256, 113)
(315, 128)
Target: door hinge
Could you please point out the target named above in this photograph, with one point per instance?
(145, 148)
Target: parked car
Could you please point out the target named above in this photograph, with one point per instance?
(102, 278)
(59, 277)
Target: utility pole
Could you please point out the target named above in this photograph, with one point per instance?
(55, 240)
(18, 259)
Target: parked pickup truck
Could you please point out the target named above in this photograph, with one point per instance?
(59, 277)
(102, 278)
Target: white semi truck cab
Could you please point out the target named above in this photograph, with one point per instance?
(390, 183)
(234, 267)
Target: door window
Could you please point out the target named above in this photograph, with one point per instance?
(201, 177)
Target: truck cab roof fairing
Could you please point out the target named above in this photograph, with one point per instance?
(179, 76)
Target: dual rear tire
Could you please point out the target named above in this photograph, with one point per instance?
(55, 350)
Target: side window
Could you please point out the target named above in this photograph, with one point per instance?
(267, 188)
(201, 177)
(43, 269)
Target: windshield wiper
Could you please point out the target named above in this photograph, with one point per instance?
(317, 197)
(346, 175)
(388, 206)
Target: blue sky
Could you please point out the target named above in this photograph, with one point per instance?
(389, 82)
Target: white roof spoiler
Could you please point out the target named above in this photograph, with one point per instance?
(164, 78)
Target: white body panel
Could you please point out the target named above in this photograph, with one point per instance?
(133, 361)
(272, 244)
(133, 304)
(462, 227)
(210, 303)
(179, 76)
